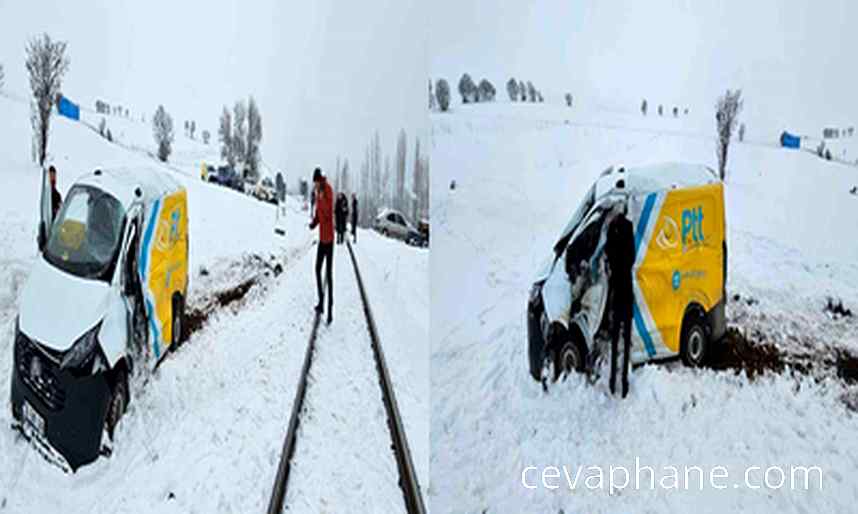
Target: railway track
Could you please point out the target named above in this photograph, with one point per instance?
(407, 482)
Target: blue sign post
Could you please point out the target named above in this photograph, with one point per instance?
(68, 109)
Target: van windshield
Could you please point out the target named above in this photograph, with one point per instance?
(85, 237)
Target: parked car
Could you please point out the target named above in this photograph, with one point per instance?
(679, 275)
(264, 190)
(106, 295)
(392, 223)
(226, 176)
(205, 171)
(423, 228)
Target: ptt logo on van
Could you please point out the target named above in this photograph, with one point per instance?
(692, 227)
(168, 233)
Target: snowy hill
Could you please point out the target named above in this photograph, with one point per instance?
(520, 171)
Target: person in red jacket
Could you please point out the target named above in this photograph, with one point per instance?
(324, 218)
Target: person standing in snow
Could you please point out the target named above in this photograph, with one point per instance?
(354, 217)
(324, 218)
(56, 197)
(342, 214)
(620, 251)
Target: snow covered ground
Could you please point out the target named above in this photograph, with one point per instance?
(205, 434)
(520, 171)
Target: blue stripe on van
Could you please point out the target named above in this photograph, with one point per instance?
(644, 333)
(144, 257)
(644, 221)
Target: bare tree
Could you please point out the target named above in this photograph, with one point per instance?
(239, 131)
(531, 92)
(727, 111)
(512, 89)
(569, 99)
(522, 90)
(254, 138)
(442, 92)
(46, 64)
(162, 128)
(206, 136)
(468, 89)
(401, 155)
(643, 107)
(224, 135)
(2, 76)
(420, 186)
(431, 97)
(486, 91)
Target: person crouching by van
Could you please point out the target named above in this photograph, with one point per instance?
(56, 197)
(354, 217)
(620, 250)
(324, 218)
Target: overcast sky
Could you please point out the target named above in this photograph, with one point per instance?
(325, 74)
(796, 58)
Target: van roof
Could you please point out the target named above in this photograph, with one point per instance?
(655, 177)
(122, 182)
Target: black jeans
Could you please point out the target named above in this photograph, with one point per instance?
(622, 310)
(325, 253)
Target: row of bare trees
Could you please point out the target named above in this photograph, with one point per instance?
(240, 135)
(519, 91)
(381, 182)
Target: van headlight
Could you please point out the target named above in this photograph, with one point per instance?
(82, 351)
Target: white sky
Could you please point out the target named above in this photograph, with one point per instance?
(325, 76)
(793, 59)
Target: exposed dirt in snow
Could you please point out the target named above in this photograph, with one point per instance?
(738, 352)
(246, 273)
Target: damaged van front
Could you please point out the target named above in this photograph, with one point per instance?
(679, 272)
(83, 316)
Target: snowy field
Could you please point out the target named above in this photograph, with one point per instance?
(205, 434)
(520, 171)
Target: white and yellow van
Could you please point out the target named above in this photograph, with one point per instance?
(679, 274)
(105, 296)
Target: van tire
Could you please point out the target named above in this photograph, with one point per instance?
(178, 328)
(118, 402)
(694, 342)
(568, 354)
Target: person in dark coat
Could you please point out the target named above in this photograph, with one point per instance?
(354, 217)
(342, 214)
(56, 197)
(620, 251)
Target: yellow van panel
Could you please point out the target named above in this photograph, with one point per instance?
(682, 262)
(165, 250)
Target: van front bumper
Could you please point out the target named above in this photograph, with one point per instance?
(72, 407)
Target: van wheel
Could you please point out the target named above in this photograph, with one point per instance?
(118, 403)
(569, 357)
(178, 322)
(694, 343)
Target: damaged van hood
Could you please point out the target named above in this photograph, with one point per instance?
(57, 308)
